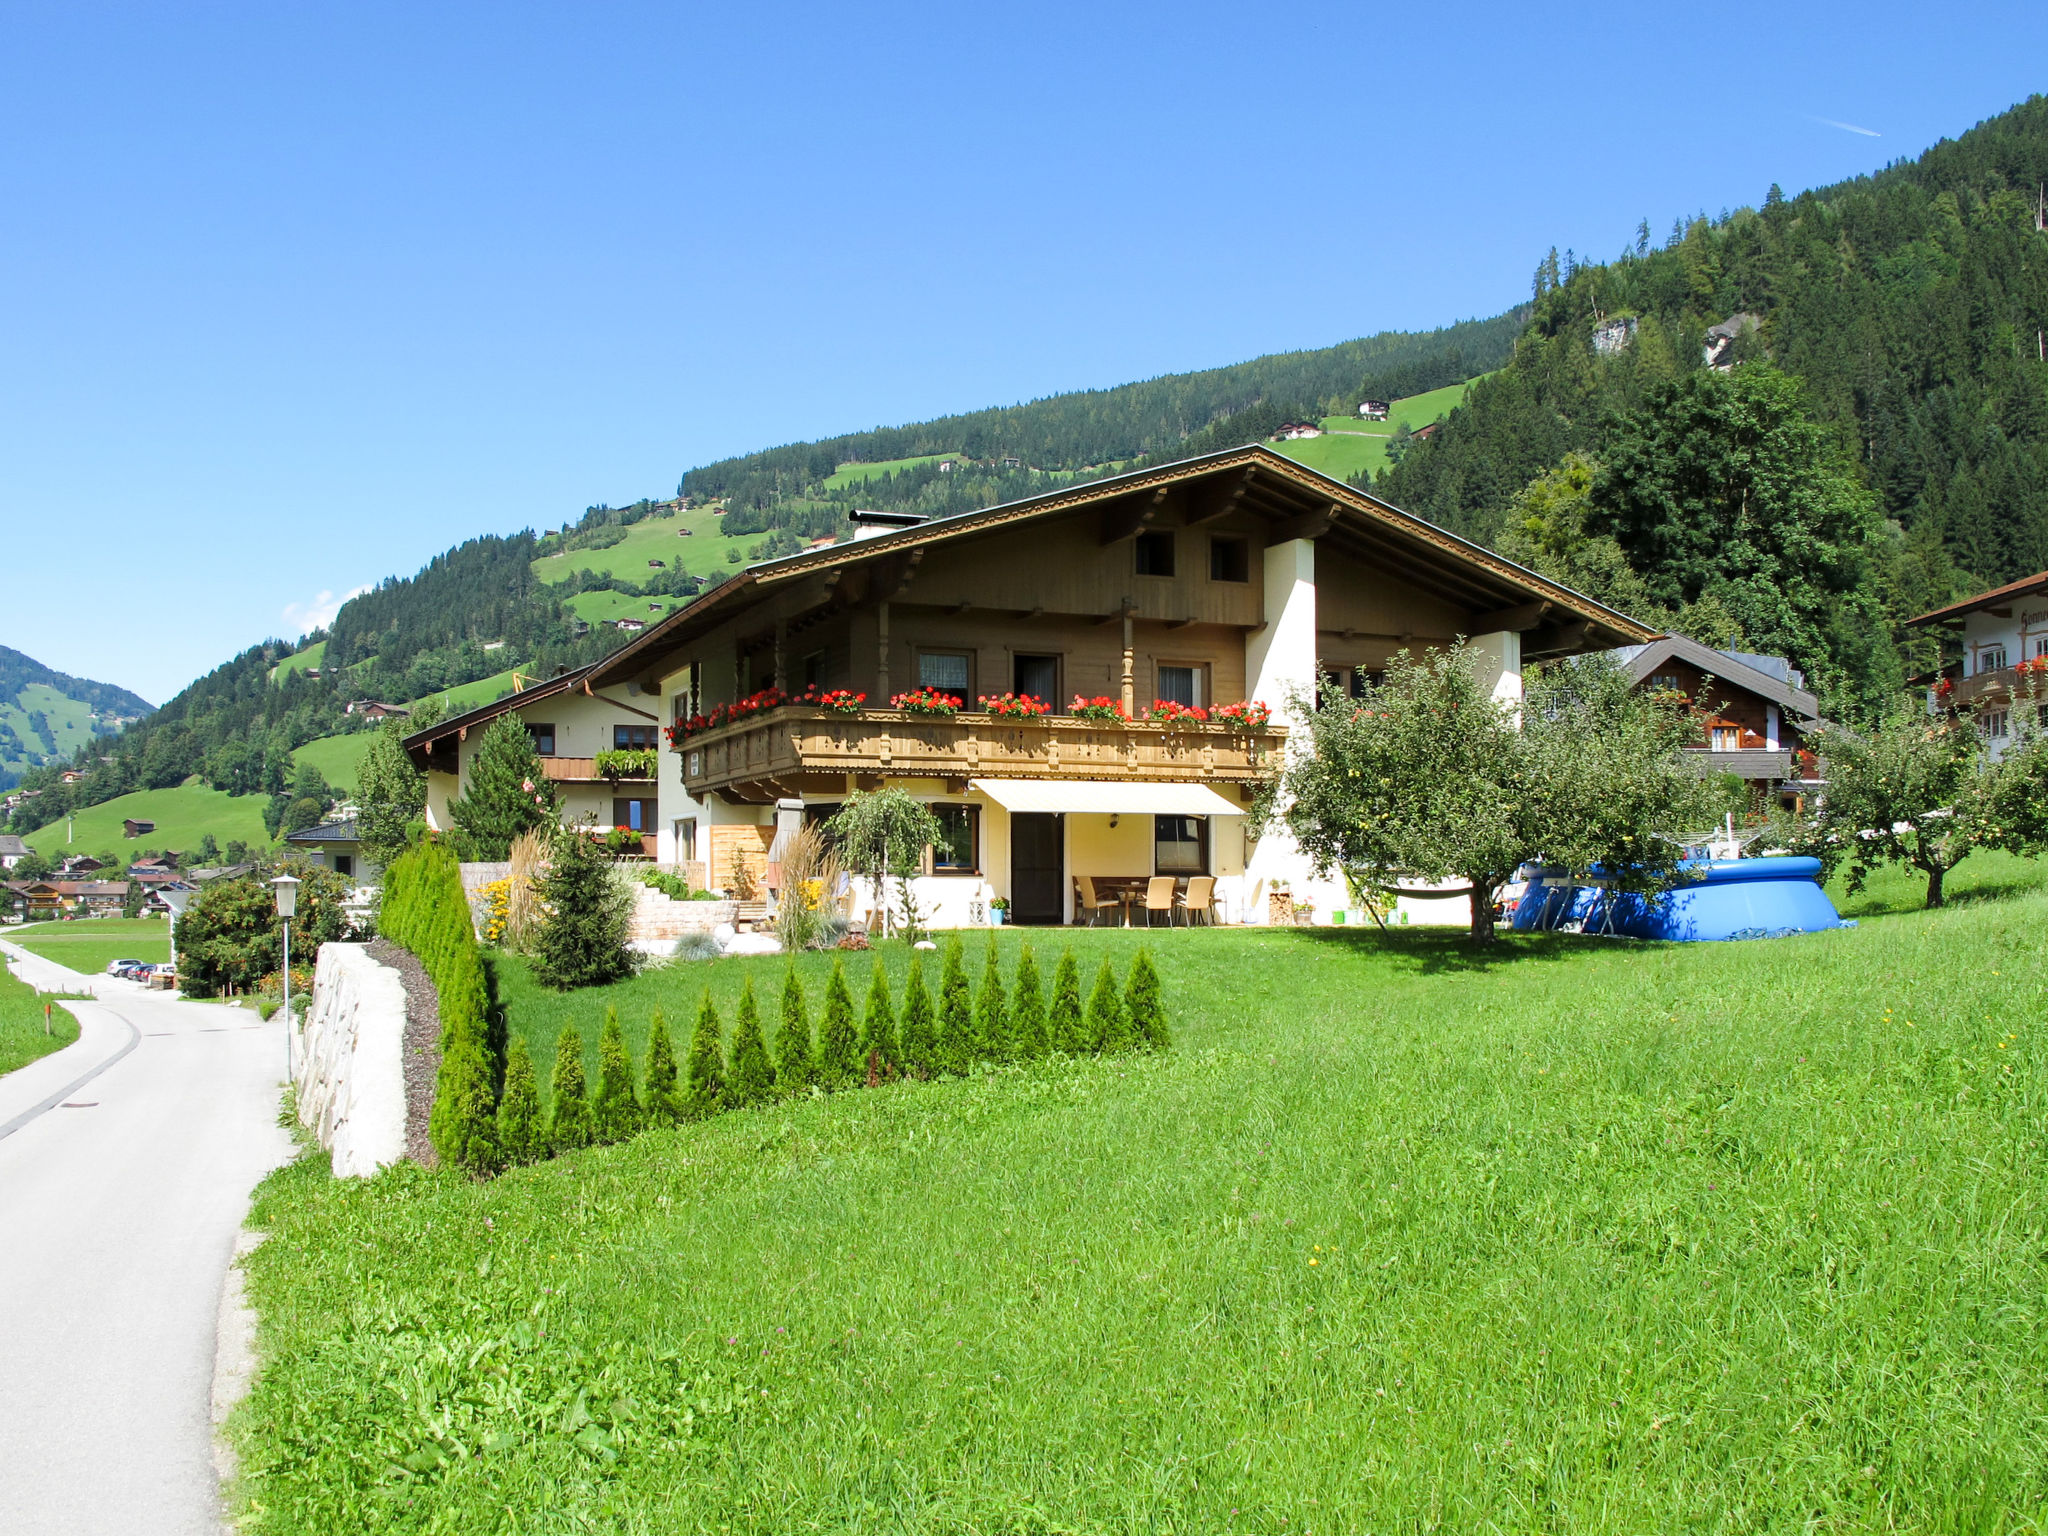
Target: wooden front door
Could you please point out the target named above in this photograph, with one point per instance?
(1038, 868)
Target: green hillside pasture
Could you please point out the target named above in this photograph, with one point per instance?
(336, 757)
(852, 474)
(67, 725)
(23, 1036)
(1352, 447)
(602, 607)
(485, 690)
(183, 816)
(654, 538)
(1580, 1235)
(299, 661)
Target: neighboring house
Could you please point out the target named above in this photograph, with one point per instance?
(1375, 410)
(629, 624)
(656, 565)
(56, 898)
(370, 709)
(1011, 461)
(134, 828)
(1427, 431)
(1719, 350)
(1760, 712)
(73, 865)
(12, 850)
(2000, 632)
(335, 845)
(1241, 575)
(570, 723)
(221, 872)
(70, 776)
(1291, 430)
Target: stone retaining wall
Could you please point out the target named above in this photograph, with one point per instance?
(348, 1061)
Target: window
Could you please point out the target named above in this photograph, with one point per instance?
(1230, 560)
(960, 826)
(1991, 658)
(1180, 685)
(627, 736)
(945, 669)
(1038, 676)
(686, 838)
(637, 814)
(1727, 738)
(1155, 554)
(2040, 648)
(345, 864)
(814, 670)
(1994, 724)
(1180, 845)
(543, 738)
(1363, 678)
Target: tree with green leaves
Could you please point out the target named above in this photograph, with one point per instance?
(522, 1130)
(582, 938)
(706, 1094)
(880, 1051)
(1028, 1027)
(507, 792)
(753, 1074)
(569, 1124)
(796, 1058)
(663, 1107)
(615, 1108)
(1108, 1026)
(920, 1032)
(992, 1040)
(1065, 1024)
(391, 794)
(1143, 1008)
(131, 899)
(839, 1063)
(882, 836)
(956, 1012)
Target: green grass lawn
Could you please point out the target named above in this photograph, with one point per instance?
(337, 756)
(601, 607)
(485, 690)
(183, 816)
(853, 474)
(1573, 1236)
(1353, 446)
(91, 944)
(299, 661)
(25, 1034)
(654, 538)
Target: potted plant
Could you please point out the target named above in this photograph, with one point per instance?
(1014, 706)
(1101, 707)
(999, 911)
(931, 702)
(841, 701)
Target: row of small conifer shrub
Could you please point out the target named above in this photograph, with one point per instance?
(924, 1038)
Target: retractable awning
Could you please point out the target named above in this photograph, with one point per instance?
(1091, 797)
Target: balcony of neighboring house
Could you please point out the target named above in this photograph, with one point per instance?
(796, 748)
(1733, 748)
(1991, 685)
(585, 770)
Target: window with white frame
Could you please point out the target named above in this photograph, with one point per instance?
(951, 671)
(1991, 658)
(1180, 685)
(1994, 724)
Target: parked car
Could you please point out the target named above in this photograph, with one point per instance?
(121, 967)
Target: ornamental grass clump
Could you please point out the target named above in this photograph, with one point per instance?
(753, 1074)
(615, 1108)
(569, 1122)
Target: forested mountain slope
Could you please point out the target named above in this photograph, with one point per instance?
(47, 715)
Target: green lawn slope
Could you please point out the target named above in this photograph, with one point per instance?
(26, 1034)
(299, 661)
(1352, 447)
(183, 816)
(337, 756)
(1578, 1235)
(654, 538)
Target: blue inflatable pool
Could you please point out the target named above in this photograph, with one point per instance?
(1714, 899)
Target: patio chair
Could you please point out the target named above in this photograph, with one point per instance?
(1200, 899)
(1087, 901)
(1159, 898)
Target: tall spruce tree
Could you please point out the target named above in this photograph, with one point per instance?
(615, 1107)
(796, 1059)
(705, 1096)
(753, 1074)
(663, 1105)
(992, 1013)
(1107, 1026)
(839, 1064)
(1027, 1009)
(522, 1130)
(507, 793)
(391, 794)
(1064, 1021)
(920, 1033)
(569, 1123)
(582, 940)
(880, 1052)
(1143, 1008)
(956, 1013)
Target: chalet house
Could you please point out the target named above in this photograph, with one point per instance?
(134, 828)
(334, 845)
(1760, 713)
(1718, 352)
(12, 850)
(629, 624)
(1159, 602)
(1374, 410)
(2003, 635)
(76, 864)
(370, 709)
(1425, 431)
(1289, 431)
(55, 898)
(1011, 461)
(70, 776)
(570, 722)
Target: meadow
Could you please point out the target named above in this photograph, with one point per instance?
(183, 816)
(25, 1034)
(1353, 447)
(299, 661)
(654, 538)
(336, 756)
(91, 944)
(1576, 1235)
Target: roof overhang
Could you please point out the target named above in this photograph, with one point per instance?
(1725, 668)
(421, 742)
(2012, 591)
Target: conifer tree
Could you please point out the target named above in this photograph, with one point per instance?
(705, 1095)
(1028, 1032)
(753, 1074)
(506, 793)
(615, 1107)
(1064, 1024)
(880, 1053)
(522, 1132)
(796, 1062)
(582, 939)
(1107, 1028)
(1142, 1005)
(569, 1124)
(956, 1013)
(992, 1013)
(663, 1107)
(920, 1024)
(838, 1036)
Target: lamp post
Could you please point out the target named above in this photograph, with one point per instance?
(287, 889)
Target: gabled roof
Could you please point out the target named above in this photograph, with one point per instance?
(326, 832)
(455, 725)
(11, 846)
(1735, 667)
(2026, 586)
(1254, 477)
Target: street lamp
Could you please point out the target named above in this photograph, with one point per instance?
(287, 889)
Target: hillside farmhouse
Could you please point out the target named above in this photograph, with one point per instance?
(1374, 410)
(2004, 638)
(137, 828)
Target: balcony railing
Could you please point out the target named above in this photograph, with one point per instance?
(770, 753)
(583, 770)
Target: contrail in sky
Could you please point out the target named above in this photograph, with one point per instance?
(1868, 133)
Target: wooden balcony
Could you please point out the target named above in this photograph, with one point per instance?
(583, 770)
(797, 750)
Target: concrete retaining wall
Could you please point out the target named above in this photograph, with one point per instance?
(348, 1061)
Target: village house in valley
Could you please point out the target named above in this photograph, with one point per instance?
(1178, 591)
(2004, 638)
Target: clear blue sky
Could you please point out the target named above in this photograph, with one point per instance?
(298, 296)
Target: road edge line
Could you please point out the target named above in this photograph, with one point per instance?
(8, 1128)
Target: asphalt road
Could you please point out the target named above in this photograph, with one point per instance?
(119, 1211)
